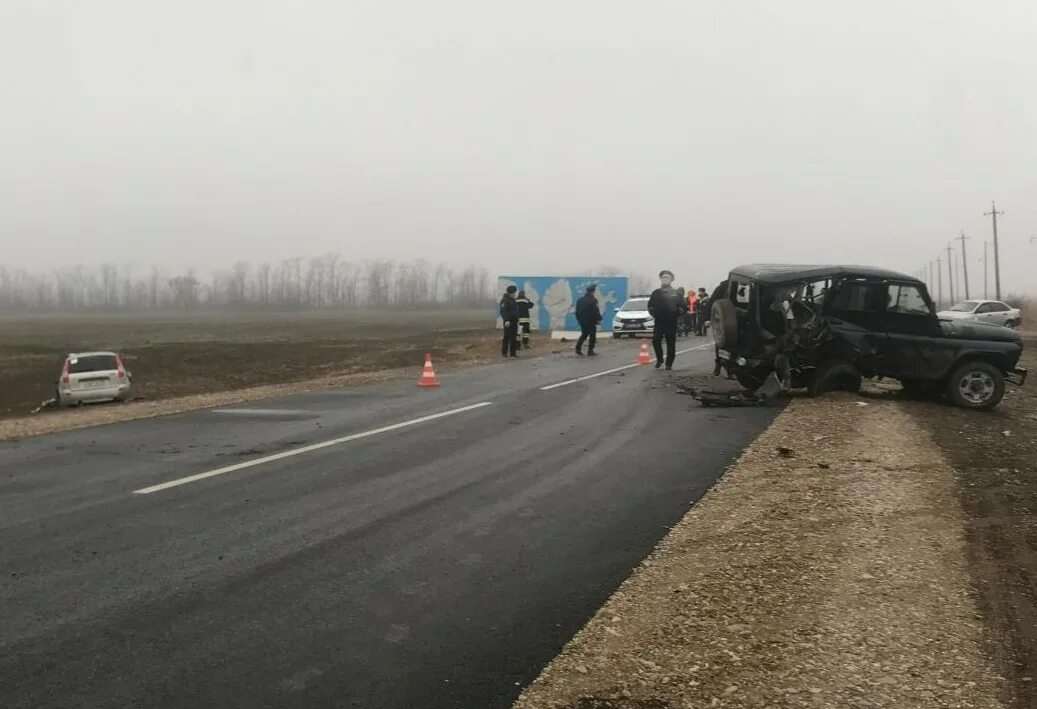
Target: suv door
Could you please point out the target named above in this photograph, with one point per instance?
(916, 345)
(854, 309)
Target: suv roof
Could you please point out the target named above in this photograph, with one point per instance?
(776, 273)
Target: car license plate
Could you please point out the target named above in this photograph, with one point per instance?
(631, 326)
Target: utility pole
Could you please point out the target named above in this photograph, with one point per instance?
(964, 262)
(993, 214)
(939, 282)
(950, 272)
(986, 290)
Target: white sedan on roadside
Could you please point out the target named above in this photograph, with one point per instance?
(632, 319)
(993, 312)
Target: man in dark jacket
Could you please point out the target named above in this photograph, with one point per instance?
(666, 307)
(509, 313)
(588, 315)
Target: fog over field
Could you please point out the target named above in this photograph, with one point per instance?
(532, 137)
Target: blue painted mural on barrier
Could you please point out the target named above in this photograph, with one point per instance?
(554, 298)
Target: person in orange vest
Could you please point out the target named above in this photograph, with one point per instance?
(692, 300)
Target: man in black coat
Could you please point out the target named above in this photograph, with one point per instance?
(588, 315)
(666, 307)
(509, 313)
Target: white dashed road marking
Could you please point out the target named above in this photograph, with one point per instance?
(307, 449)
(549, 387)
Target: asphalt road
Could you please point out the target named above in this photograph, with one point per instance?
(342, 548)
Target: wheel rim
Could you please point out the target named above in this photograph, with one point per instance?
(976, 387)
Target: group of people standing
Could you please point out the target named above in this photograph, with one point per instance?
(697, 317)
(515, 308)
(668, 306)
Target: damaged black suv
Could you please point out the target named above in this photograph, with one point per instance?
(823, 328)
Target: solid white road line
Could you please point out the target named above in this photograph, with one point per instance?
(549, 387)
(306, 449)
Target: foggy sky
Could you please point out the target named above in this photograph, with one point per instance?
(534, 136)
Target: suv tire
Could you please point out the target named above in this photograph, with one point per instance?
(976, 385)
(834, 375)
(724, 316)
(752, 379)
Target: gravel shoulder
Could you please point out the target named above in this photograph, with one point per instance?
(995, 463)
(833, 572)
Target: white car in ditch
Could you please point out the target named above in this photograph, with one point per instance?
(992, 312)
(93, 376)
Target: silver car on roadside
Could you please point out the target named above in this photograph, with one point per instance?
(93, 376)
(992, 312)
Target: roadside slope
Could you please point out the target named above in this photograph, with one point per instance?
(833, 574)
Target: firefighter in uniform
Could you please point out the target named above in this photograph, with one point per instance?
(525, 305)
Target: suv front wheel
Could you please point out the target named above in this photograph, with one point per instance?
(976, 385)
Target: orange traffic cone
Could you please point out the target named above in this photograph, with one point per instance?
(644, 357)
(428, 375)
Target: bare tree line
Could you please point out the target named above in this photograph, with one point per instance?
(323, 282)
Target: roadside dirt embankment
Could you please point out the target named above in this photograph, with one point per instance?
(828, 568)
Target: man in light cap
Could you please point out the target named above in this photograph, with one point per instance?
(666, 307)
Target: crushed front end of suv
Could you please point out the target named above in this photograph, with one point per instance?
(825, 328)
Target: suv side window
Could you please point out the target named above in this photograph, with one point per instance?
(906, 300)
(860, 302)
(856, 297)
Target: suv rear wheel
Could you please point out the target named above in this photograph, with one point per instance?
(752, 379)
(834, 375)
(976, 385)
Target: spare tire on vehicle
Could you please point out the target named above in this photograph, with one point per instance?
(724, 323)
